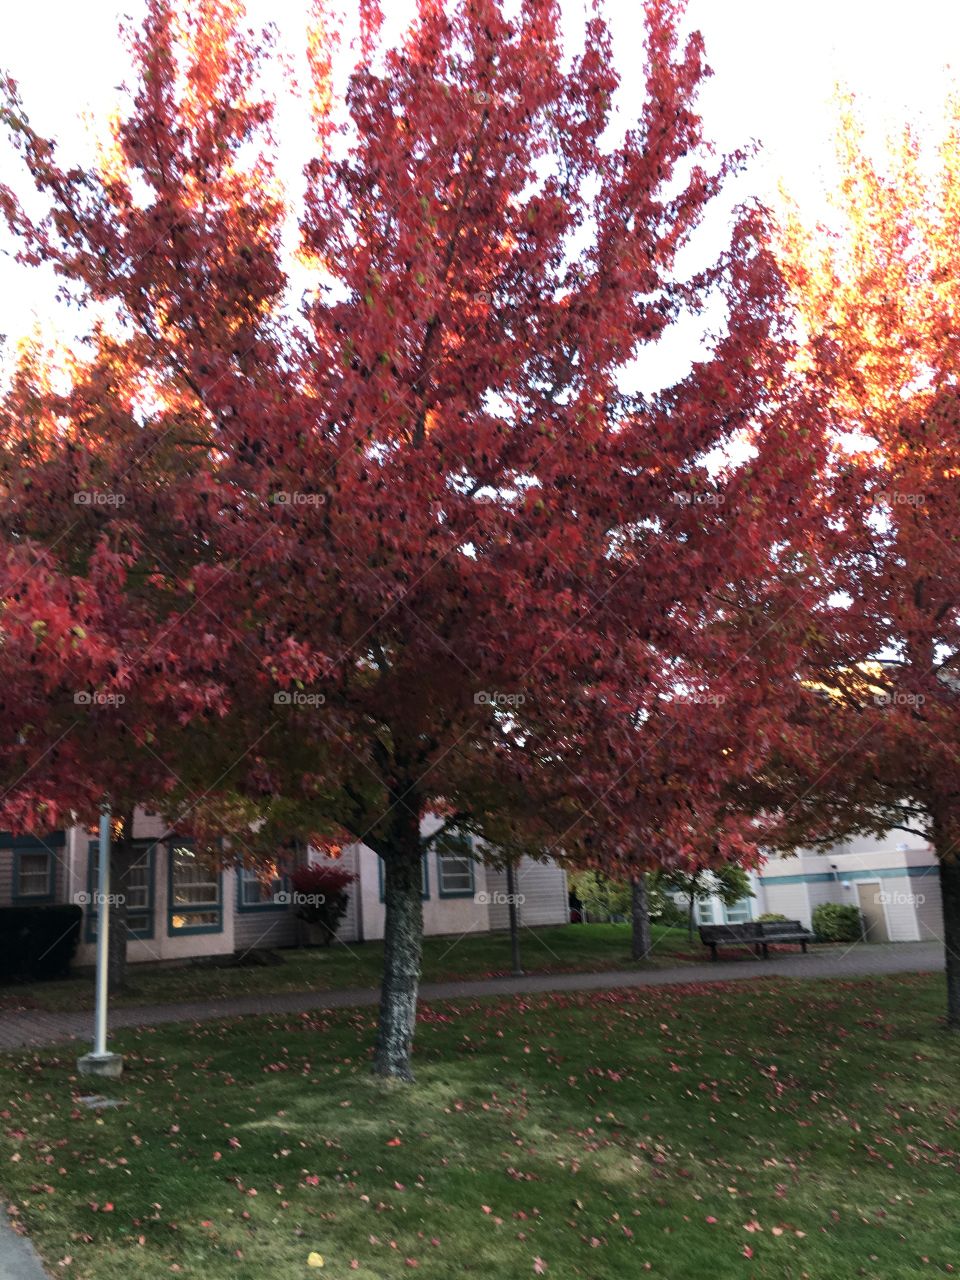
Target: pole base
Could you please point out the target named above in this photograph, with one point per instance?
(109, 1065)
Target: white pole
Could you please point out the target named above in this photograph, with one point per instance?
(103, 936)
(100, 1062)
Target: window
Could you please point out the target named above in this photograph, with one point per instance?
(137, 886)
(424, 878)
(255, 894)
(32, 875)
(739, 913)
(454, 867)
(705, 912)
(196, 902)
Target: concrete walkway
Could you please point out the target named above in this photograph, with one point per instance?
(19, 1260)
(34, 1027)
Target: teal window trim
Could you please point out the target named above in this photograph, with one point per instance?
(28, 899)
(282, 884)
(197, 909)
(424, 878)
(915, 872)
(141, 846)
(50, 840)
(460, 847)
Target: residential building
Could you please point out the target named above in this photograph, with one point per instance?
(180, 909)
(893, 881)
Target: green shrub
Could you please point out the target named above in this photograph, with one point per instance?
(833, 922)
(772, 915)
(38, 942)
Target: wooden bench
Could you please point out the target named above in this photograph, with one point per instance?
(758, 934)
(785, 931)
(748, 934)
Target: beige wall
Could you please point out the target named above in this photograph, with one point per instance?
(790, 900)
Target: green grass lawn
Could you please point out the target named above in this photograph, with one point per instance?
(787, 1130)
(560, 949)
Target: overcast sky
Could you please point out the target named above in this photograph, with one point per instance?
(775, 68)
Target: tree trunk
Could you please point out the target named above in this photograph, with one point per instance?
(950, 896)
(946, 841)
(640, 917)
(121, 860)
(402, 949)
(690, 906)
(514, 914)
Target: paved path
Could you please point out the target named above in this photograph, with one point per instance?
(19, 1260)
(34, 1027)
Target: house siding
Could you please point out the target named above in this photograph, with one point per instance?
(930, 909)
(542, 886)
(440, 915)
(61, 862)
(270, 928)
(790, 900)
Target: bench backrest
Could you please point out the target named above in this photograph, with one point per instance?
(749, 931)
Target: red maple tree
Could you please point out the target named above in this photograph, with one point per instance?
(424, 554)
(875, 292)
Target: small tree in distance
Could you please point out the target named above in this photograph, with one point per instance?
(322, 896)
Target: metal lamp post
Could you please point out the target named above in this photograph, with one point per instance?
(100, 1062)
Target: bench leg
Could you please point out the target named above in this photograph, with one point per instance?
(804, 947)
(766, 951)
(713, 951)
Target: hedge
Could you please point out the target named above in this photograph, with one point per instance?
(834, 922)
(38, 942)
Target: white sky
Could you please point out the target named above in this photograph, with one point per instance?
(775, 68)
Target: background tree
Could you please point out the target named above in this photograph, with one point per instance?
(602, 897)
(697, 884)
(877, 292)
(431, 557)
